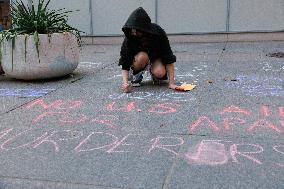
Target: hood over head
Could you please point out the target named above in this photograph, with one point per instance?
(140, 20)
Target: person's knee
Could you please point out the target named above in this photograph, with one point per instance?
(141, 60)
(159, 71)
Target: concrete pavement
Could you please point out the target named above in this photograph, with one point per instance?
(80, 131)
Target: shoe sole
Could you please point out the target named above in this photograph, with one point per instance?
(136, 84)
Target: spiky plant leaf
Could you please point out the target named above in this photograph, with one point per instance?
(38, 20)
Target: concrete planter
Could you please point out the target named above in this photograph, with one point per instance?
(57, 55)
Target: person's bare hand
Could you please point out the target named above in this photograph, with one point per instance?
(173, 86)
(126, 88)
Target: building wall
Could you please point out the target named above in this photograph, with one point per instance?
(255, 15)
(106, 17)
(193, 15)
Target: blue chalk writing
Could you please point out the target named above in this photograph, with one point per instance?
(25, 92)
(254, 85)
(174, 96)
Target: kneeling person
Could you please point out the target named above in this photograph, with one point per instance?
(145, 44)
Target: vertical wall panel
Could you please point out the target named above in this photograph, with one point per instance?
(110, 15)
(185, 16)
(78, 19)
(176, 16)
(252, 15)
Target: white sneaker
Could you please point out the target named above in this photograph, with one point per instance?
(137, 79)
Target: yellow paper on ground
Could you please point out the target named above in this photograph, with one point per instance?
(186, 87)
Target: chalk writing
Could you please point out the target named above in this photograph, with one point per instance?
(263, 123)
(264, 111)
(62, 111)
(119, 143)
(58, 104)
(163, 96)
(65, 117)
(111, 136)
(130, 106)
(25, 92)
(89, 65)
(235, 109)
(229, 118)
(115, 77)
(213, 153)
(279, 149)
(209, 152)
(273, 66)
(258, 85)
(229, 123)
(75, 118)
(52, 137)
(158, 108)
(157, 144)
(281, 112)
(64, 105)
(193, 76)
(234, 150)
(201, 120)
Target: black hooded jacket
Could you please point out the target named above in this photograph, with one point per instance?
(154, 41)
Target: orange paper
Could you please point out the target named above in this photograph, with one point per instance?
(185, 87)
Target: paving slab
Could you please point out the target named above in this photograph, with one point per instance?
(228, 162)
(86, 133)
(94, 159)
(19, 183)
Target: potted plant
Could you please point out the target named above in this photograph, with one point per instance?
(40, 43)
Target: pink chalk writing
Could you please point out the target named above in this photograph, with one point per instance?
(279, 149)
(213, 153)
(5, 132)
(234, 151)
(200, 120)
(74, 118)
(157, 144)
(281, 112)
(106, 120)
(62, 111)
(281, 123)
(263, 123)
(53, 140)
(158, 108)
(235, 109)
(205, 152)
(79, 147)
(229, 123)
(65, 117)
(68, 135)
(119, 143)
(164, 108)
(47, 137)
(209, 152)
(10, 140)
(264, 111)
(58, 104)
(127, 108)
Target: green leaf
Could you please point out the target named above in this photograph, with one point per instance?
(40, 20)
